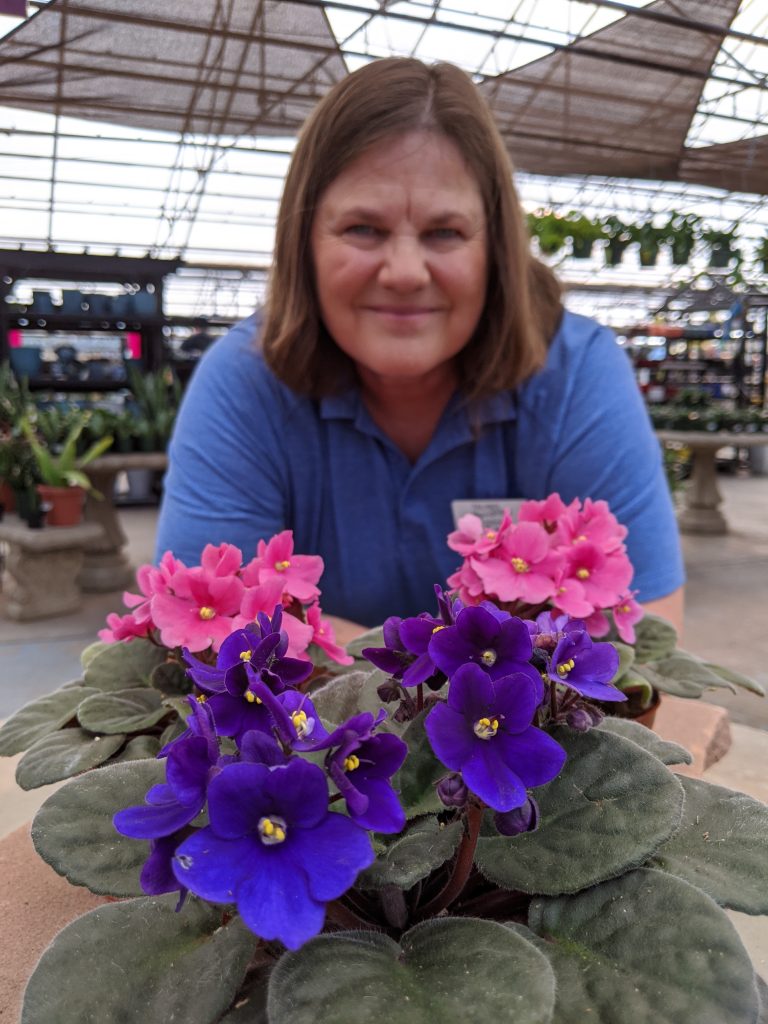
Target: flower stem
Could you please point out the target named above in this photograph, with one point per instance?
(461, 868)
(553, 700)
(419, 697)
(345, 917)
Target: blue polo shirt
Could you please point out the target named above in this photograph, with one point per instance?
(249, 458)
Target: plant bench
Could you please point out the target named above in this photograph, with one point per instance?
(42, 567)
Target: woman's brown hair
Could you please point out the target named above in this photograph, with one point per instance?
(383, 99)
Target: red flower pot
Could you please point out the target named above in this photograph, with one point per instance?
(66, 504)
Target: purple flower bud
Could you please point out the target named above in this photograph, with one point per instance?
(579, 719)
(521, 819)
(452, 790)
(388, 692)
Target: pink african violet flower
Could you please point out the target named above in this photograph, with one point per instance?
(597, 624)
(468, 584)
(604, 577)
(594, 523)
(523, 568)
(546, 512)
(625, 614)
(200, 611)
(221, 559)
(275, 559)
(324, 636)
(569, 598)
(124, 627)
(472, 538)
(264, 598)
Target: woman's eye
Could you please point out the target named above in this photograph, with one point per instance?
(361, 230)
(443, 234)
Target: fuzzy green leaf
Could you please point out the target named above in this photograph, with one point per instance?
(350, 694)
(171, 679)
(90, 652)
(632, 681)
(40, 718)
(730, 676)
(453, 970)
(646, 948)
(626, 661)
(143, 962)
(611, 807)
(121, 665)
(138, 748)
(64, 754)
(73, 830)
(654, 638)
(413, 855)
(416, 780)
(666, 751)
(371, 638)
(122, 710)
(250, 1005)
(721, 846)
(683, 675)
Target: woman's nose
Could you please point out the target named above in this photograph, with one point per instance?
(404, 267)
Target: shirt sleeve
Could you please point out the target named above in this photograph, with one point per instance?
(225, 481)
(603, 446)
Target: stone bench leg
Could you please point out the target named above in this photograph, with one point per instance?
(39, 584)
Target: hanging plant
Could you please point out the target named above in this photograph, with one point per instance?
(618, 236)
(649, 238)
(721, 247)
(550, 229)
(583, 234)
(682, 234)
(761, 254)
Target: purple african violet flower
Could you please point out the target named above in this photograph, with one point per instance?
(416, 634)
(361, 765)
(392, 658)
(157, 875)
(274, 849)
(192, 759)
(499, 646)
(484, 731)
(585, 666)
(524, 818)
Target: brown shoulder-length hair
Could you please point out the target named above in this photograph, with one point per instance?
(386, 98)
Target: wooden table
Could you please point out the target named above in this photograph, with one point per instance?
(702, 497)
(106, 566)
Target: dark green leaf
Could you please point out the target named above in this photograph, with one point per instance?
(121, 665)
(452, 970)
(415, 782)
(412, 856)
(40, 718)
(632, 681)
(73, 830)
(139, 960)
(137, 748)
(721, 846)
(626, 660)
(171, 679)
(122, 710)
(685, 669)
(646, 948)
(64, 754)
(668, 684)
(611, 807)
(250, 1006)
(666, 751)
(654, 638)
(730, 676)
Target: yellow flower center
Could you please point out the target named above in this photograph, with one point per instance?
(437, 629)
(201, 698)
(206, 613)
(246, 655)
(565, 668)
(251, 697)
(519, 564)
(580, 538)
(582, 574)
(302, 724)
(351, 762)
(272, 830)
(490, 534)
(282, 566)
(624, 609)
(486, 728)
(489, 657)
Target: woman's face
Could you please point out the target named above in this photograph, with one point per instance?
(399, 245)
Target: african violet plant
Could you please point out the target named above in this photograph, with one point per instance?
(457, 832)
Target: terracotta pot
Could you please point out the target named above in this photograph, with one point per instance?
(646, 716)
(66, 504)
(7, 497)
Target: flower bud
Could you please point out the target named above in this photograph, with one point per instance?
(521, 819)
(452, 790)
(388, 692)
(579, 719)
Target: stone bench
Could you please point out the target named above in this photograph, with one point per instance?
(42, 567)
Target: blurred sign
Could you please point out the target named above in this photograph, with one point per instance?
(16, 8)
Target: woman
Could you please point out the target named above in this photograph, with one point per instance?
(412, 353)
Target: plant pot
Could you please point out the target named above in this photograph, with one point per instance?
(681, 253)
(581, 248)
(648, 256)
(7, 497)
(66, 504)
(719, 256)
(633, 710)
(614, 252)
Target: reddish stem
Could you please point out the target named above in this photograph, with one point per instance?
(461, 868)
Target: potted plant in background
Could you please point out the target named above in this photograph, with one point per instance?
(618, 236)
(722, 249)
(681, 231)
(63, 483)
(549, 229)
(761, 254)
(649, 238)
(583, 234)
